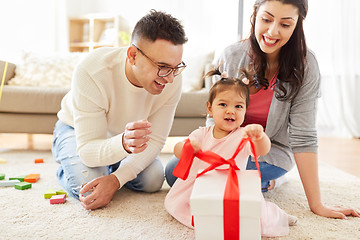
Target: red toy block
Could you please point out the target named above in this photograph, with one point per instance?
(39, 160)
(56, 199)
(32, 178)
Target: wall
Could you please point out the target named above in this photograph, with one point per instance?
(209, 24)
(31, 25)
(41, 25)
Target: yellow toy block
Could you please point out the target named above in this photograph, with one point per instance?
(49, 193)
(60, 192)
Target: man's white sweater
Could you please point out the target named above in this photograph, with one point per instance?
(102, 101)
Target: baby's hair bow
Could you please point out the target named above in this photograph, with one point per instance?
(245, 81)
(224, 75)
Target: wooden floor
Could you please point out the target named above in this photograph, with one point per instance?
(341, 153)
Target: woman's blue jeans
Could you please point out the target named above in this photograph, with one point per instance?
(268, 172)
(73, 174)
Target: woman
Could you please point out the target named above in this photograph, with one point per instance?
(283, 95)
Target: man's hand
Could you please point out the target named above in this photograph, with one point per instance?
(101, 190)
(135, 136)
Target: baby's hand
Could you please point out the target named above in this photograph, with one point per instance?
(254, 131)
(196, 145)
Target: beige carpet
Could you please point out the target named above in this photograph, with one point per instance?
(27, 215)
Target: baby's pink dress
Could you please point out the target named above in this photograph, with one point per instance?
(274, 221)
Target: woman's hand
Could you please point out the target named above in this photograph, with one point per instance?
(136, 135)
(101, 190)
(335, 212)
(307, 165)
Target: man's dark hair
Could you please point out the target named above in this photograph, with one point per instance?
(159, 25)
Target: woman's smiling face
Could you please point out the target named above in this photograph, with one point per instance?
(274, 25)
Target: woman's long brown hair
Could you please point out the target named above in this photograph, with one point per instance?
(291, 59)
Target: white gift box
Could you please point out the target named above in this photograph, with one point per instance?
(206, 204)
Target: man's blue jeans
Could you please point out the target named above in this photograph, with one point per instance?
(73, 174)
(268, 172)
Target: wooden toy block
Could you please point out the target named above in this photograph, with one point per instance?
(22, 185)
(56, 199)
(2, 160)
(20, 178)
(49, 193)
(39, 160)
(32, 178)
(60, 192)
(9, 183)
(2, 176)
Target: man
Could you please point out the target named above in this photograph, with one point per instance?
(117, 115)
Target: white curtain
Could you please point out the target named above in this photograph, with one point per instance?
(333, 33)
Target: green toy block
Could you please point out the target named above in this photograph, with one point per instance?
(60, 192)
(49, 193)
(2, 176)
(20, 178)
(22, 185)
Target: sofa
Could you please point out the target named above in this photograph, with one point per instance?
(30, 102)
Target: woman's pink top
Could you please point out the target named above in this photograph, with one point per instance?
(259, 105)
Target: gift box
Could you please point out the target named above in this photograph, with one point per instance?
(207, 205)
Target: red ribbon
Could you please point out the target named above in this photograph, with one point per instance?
(231, 195)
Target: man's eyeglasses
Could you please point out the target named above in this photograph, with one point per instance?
(164, 71)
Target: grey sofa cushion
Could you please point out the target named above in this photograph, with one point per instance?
(192, 104)
(20, 99)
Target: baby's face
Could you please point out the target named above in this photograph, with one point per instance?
(228, 110)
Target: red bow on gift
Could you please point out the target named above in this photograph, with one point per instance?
(231, 195)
